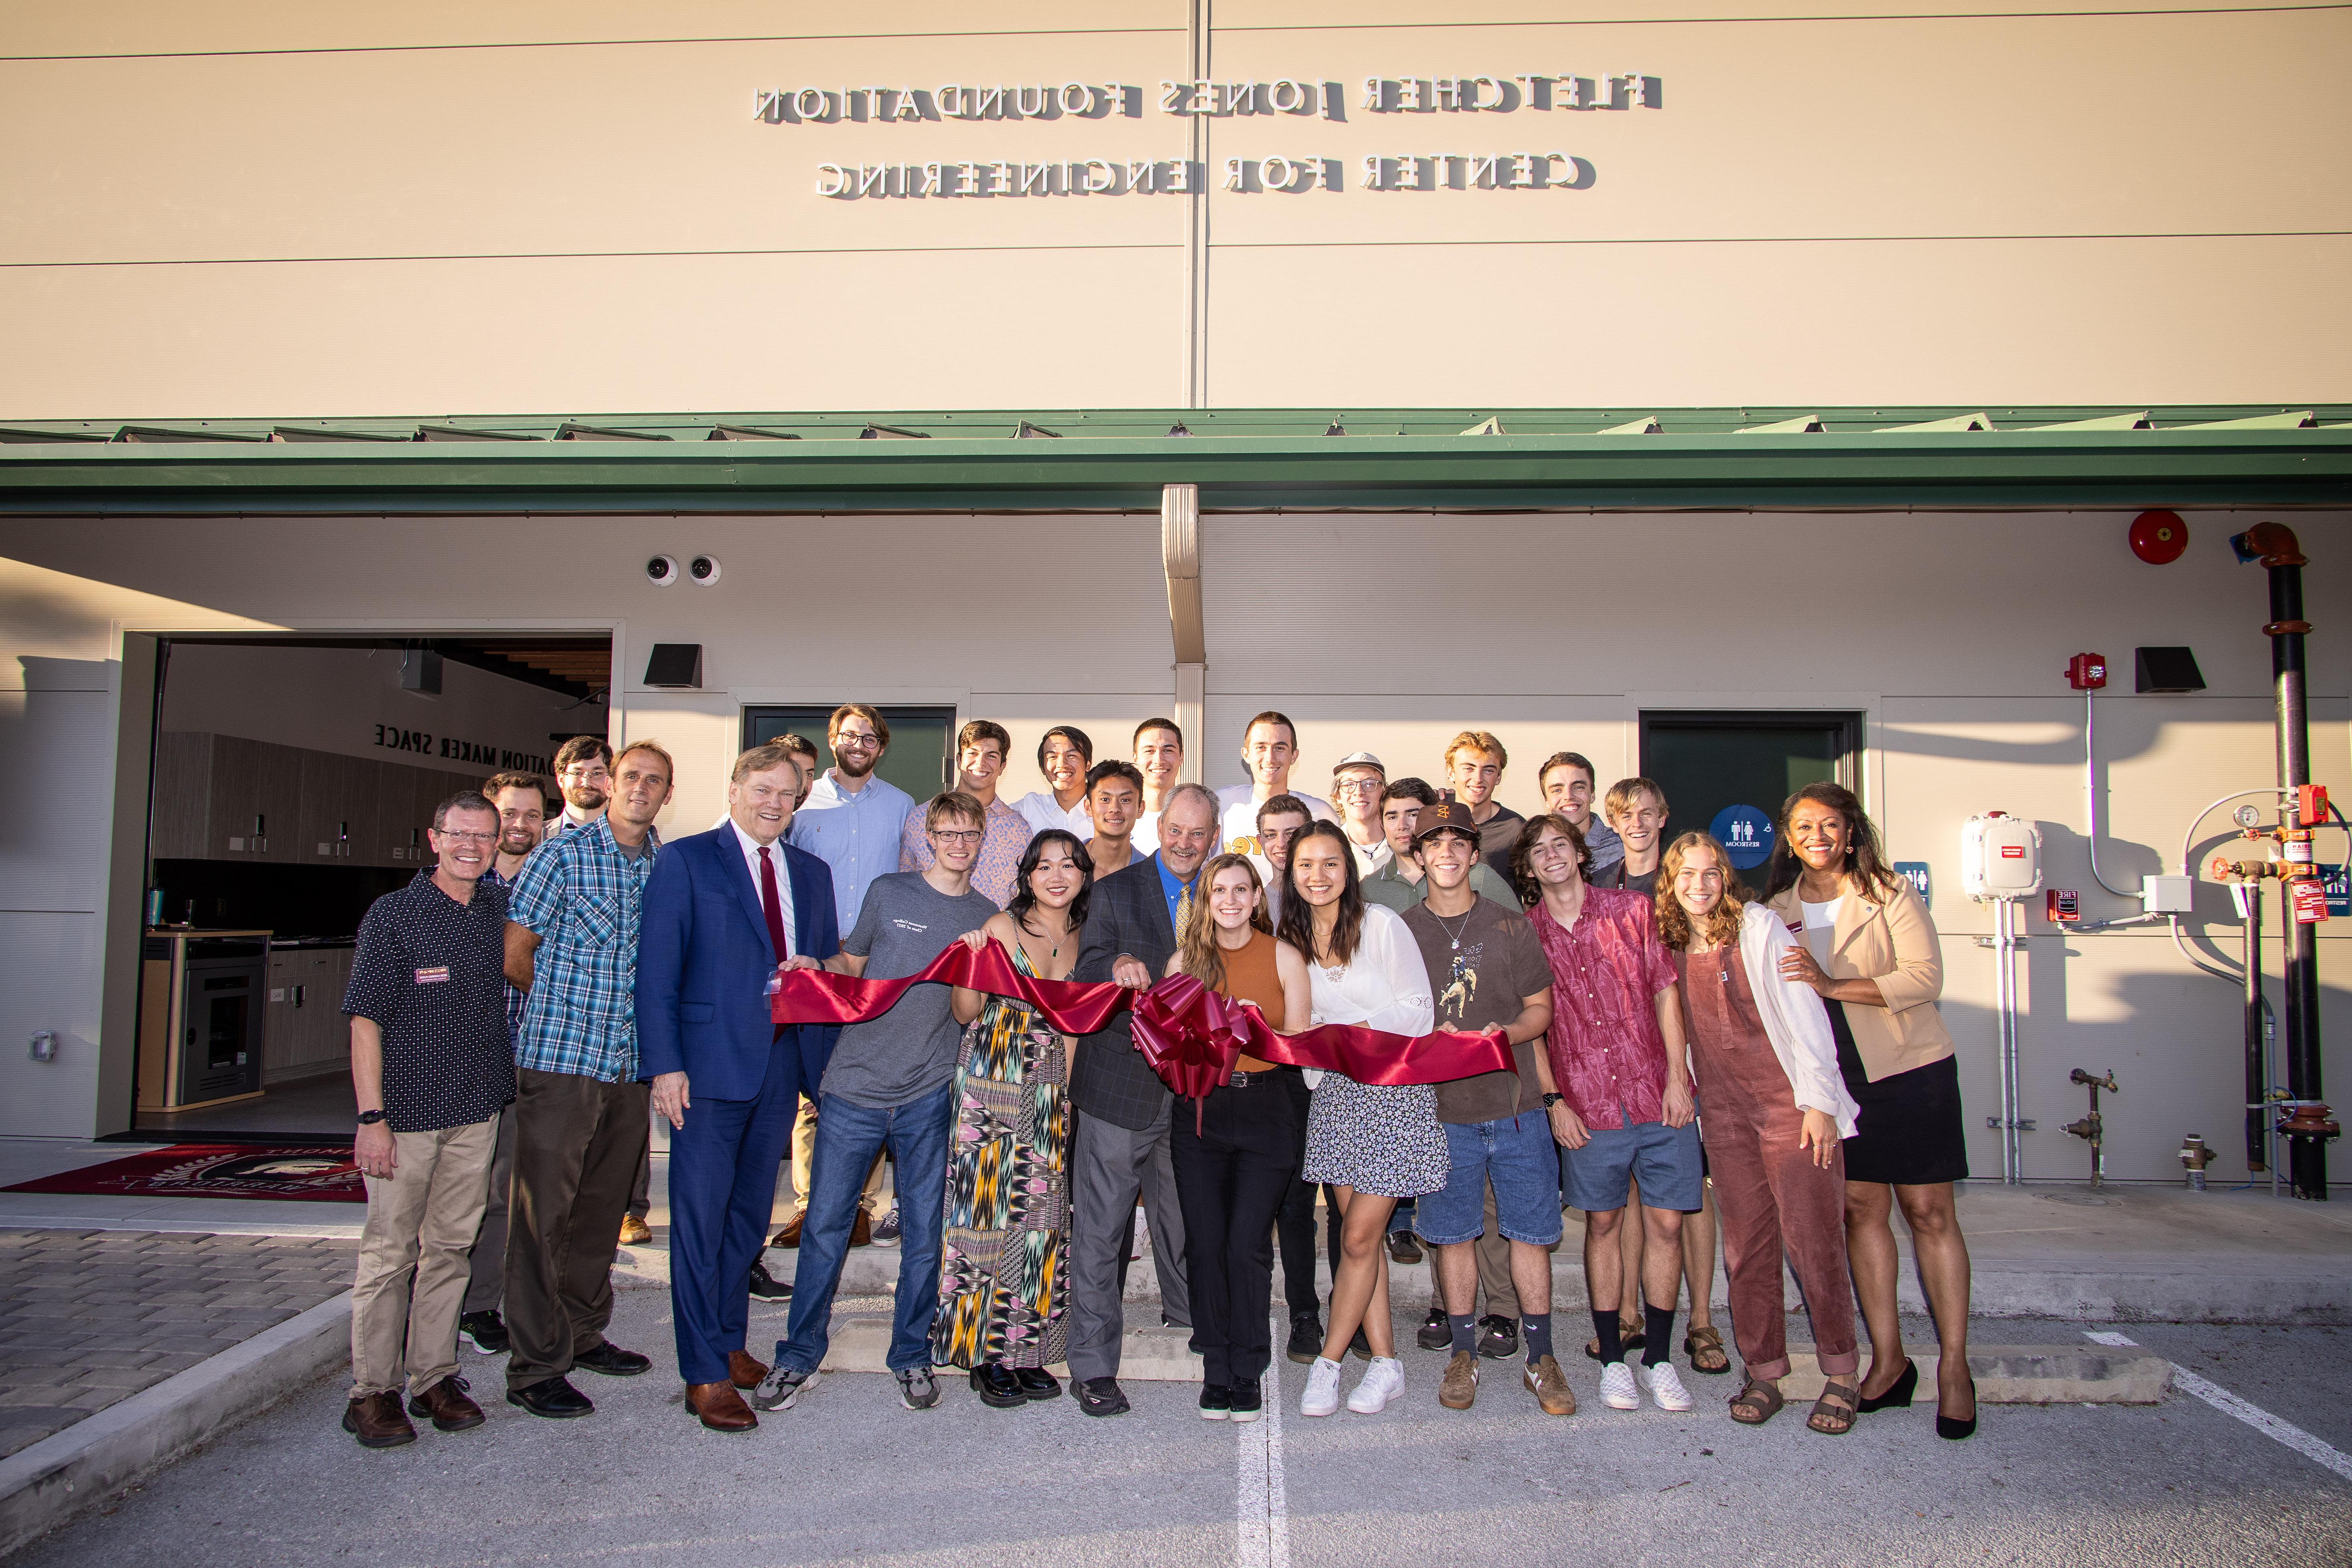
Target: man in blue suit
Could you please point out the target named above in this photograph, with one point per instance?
(723, 910)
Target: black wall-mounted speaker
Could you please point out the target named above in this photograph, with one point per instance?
(676, 665)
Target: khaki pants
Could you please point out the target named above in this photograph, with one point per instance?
(804, 1153)
(421, 1222)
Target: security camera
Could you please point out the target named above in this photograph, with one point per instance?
(662, 571)
(703, 569)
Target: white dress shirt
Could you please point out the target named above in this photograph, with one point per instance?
(1043, 811)
(1237, 815)
(750, 847)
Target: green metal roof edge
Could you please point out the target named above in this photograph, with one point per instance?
(2164, 465)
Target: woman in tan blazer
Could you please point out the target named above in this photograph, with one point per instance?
(1866, 945)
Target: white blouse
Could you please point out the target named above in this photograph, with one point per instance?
(1384, 986)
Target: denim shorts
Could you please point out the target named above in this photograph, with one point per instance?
(1664, 1160)
(1517, 1154)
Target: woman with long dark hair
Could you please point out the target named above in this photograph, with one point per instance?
(1867, 945)
(1003, 1287)
(1775, 1108)
(1374, 1143)
(1237, 1161)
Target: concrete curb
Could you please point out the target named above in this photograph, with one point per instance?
(47, 1484)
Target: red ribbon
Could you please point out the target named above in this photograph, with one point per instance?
(1189, 1034)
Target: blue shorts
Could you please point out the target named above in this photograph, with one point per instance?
(1515, 1153)
(1664, 1160)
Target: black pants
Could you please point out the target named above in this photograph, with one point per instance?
(1296, 1224)
(577, 1143)
(1231, 1179)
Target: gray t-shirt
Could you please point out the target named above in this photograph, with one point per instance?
(910, 1051)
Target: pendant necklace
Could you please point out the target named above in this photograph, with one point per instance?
(1455, 936)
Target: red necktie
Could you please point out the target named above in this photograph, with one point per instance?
(772, 906)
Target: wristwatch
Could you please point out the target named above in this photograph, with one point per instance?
(370, 1117)
(1553, 1099)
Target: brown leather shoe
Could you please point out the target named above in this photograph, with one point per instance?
(635, 1232)
(375, 1419)
(791, 1235)
(718, 1406)
(861, 1234)
(446, 1403)
(744, 1370)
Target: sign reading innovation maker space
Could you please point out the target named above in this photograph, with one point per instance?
(1292, 172)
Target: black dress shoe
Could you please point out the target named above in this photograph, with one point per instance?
(767, 1287)
(1101, 1396)
(1436, 1333)
(1898, 1393)
(555, 1398)
(997, 1387)
(1305, 1337)
(1036, 1382)
(1951, 1428)
(612, 1361)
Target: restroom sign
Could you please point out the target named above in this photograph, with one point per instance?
(1745, 834)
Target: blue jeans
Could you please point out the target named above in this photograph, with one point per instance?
(1517, 1154)
(847, 1138)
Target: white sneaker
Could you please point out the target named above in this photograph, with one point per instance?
(1665, 1386)
(1382, 1381)
(1322, 1396)
(1617, 1390)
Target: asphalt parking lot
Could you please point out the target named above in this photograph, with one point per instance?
(850, 1475)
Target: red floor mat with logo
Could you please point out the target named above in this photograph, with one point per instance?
(216, 1171)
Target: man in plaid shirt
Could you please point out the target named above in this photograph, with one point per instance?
(580, 1115)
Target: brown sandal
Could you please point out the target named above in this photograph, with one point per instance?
(1757, 1404)
(1833, 1412)
(1704, 1345)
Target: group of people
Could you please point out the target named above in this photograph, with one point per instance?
(1680, 1047)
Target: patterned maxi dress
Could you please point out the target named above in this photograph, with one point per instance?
(1003, 1285)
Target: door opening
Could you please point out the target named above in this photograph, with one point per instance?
(919, 759)
(1728, 772)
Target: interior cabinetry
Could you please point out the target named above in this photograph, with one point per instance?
(222, 797)
(307, 1033)
(255, 799)
(338, 823)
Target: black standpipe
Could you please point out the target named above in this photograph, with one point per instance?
(2258, 1089)
(2284, 560)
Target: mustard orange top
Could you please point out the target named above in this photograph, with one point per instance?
(1250, 976)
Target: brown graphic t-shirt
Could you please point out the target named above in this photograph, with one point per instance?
(1480, 966)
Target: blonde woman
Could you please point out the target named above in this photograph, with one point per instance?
(1775, 1110)
(1235, 1167)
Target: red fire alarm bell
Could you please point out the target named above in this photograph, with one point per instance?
(2086, 671)
(2158, 537)
(2063, 906)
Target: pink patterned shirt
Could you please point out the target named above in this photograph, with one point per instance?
(996, 875)
(1607, 1053)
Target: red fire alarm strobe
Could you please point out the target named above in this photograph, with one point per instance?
(2063, 906)
(2311, 804)
(2158, 537)
(2086, 671)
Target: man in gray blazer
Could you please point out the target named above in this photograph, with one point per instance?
(1121, 1147)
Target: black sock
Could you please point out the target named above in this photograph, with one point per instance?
(1464, 1328)
(1535, 1333)
(1658, 1331)
(1605, 1325)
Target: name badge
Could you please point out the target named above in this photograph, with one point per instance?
(435, 975)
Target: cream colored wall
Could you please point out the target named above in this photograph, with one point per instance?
(1949, 632)
(393, 217)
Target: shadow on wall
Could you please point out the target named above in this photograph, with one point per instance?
(38, 618)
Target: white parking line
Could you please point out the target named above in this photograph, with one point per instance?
(2254, 1416)
(1262, 1505)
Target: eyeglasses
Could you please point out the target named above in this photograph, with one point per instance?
(856, 742)
(1360, 786)
(945, 837)
(446, 836)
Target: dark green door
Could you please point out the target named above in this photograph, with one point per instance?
(917, 759)
(1728, 772)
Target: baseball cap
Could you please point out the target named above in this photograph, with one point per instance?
(1446, 814)
(1360, 760)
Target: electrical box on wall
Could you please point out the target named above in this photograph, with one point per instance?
(2000, 857)
(2168, 895)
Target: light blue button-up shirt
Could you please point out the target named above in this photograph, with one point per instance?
(856, 835)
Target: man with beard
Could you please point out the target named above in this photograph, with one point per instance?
(850, 820)
(584, 773)
(522, 819)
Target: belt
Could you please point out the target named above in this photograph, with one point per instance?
(1244, 1079)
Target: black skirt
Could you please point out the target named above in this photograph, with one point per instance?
(1908, 1130)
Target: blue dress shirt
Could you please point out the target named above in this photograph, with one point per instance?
(856, 835)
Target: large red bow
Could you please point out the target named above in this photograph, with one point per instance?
(1189, 1034)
